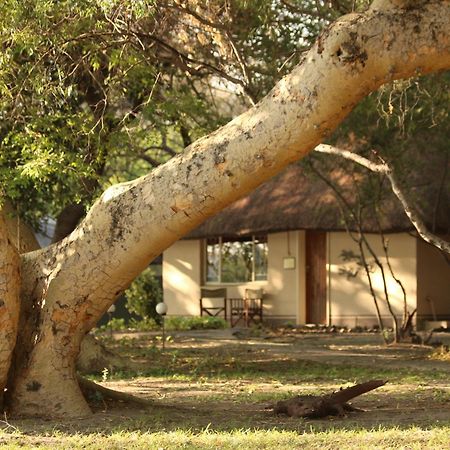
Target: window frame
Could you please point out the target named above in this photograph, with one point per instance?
(251, 239)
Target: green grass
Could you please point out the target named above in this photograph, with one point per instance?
(215, 365)
(382, 438)
(214, 395)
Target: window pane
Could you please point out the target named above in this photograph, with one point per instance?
(236, 261)
(212, 260)
(261, 257)
(231, 261)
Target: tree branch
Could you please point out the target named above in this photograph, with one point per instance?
(409, 210)
(359, 239)
(185, 9)
(216, 170)
(361, 160)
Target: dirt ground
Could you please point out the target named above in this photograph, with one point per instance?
(214, 379)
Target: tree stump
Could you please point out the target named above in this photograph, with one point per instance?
(335, 404)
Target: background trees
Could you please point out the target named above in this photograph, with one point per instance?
(95, 93)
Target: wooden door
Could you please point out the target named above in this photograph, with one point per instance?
(316, 277)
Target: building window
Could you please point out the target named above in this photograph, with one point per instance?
(236, 260)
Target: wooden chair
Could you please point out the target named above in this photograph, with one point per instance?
(215, 306)
(248, 309)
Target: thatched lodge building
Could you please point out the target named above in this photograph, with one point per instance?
(289, 239)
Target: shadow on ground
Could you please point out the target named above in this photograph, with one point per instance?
(214, 381)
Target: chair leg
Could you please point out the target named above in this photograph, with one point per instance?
(246, 315)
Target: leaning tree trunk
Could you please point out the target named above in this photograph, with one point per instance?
(9, 302)
(19, 235)
(69, 285)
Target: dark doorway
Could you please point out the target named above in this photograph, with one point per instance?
(316, 277)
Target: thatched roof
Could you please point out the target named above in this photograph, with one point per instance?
(294, 200)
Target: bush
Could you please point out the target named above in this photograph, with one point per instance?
(144, 294)
(195, 323)
(172, 323)
(147, 324)
(114, 324)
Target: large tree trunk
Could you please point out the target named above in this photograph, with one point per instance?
(69, 285)
(9, 302)
(20, 238)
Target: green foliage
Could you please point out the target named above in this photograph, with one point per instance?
(99, 92)
(145, 324)
(172, 323)
(195, 323)
(114, 324)
(143, 295)
(79, 97)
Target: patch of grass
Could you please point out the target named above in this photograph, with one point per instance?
(242, 363)
(381, 438)
(213, 394)
(441, 353)
(195, 323)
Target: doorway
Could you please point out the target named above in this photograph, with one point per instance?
(316, 277)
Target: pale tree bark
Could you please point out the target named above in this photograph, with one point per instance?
(407, 205)
(9, 301)
(93, 357)
(68, 286)
(19, 232)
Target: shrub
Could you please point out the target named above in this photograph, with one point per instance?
(146, 324)
(195, 323)
(114, 324)
(144, 294)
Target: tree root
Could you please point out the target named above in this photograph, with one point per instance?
(94, 357)
(93, 390)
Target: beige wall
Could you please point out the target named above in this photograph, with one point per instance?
(282, 287)
(433, 283)
(182, 278)
(350, 302)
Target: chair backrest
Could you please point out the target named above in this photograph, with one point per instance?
(213, 293)
(253, 294)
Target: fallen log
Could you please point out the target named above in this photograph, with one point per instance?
(335, 404)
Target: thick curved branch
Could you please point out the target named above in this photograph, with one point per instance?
(90, 388)
(409, 209)
(358, 54)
